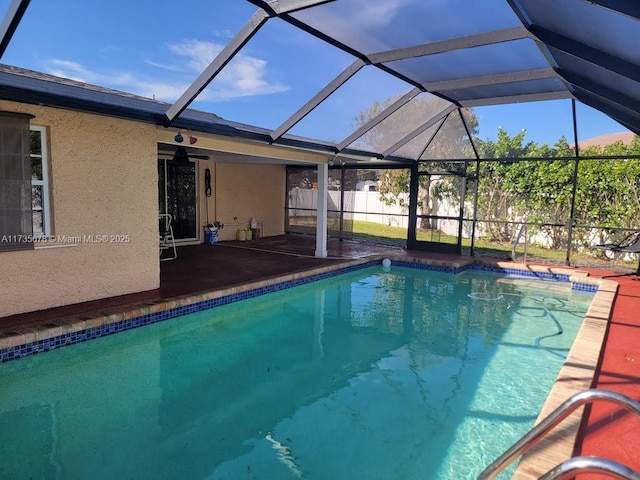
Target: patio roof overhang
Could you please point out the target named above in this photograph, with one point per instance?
(517, 51)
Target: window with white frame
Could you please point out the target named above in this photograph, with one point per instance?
(39, 181)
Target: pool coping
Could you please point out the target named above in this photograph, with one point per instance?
(577, 373)
(69, 326)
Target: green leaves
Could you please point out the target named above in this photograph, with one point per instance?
(515, 181)
(607, 191)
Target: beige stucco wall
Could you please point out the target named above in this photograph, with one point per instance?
(241, 191)
(103, 182)
(246, 191)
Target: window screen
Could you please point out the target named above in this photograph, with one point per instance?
(16, 220)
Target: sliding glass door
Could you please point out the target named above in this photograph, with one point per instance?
(177, 196)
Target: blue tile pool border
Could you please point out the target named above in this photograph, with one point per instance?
(83, 335)
(558, 277)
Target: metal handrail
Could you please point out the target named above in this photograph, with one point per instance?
(523, 227)
(550, 421)
(570, 468)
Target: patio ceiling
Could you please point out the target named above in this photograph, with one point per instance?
(449, 55)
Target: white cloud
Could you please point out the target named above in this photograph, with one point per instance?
(165, 66)
(366, 17)
(243, 76)
(226, 33)
(198, 53)
(68, 69)
(378, 13)
(122, 81)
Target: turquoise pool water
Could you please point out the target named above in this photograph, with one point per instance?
(407, 374)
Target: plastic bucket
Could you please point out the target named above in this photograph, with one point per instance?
(210, 235)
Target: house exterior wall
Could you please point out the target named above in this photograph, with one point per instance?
(241, 191)
(103, 182)
(206, 205)
(246, 191)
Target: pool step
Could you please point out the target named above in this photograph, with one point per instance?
(571, 467)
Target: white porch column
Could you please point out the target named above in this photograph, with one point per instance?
(321, 226)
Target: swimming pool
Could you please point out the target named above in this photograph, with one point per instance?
(372, 374)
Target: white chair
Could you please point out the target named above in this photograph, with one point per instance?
(167, 242)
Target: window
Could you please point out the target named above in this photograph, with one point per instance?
(39, 181)
(16, 209)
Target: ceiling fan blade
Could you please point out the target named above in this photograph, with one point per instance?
(181, 155)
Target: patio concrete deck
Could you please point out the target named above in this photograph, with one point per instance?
(204, 267)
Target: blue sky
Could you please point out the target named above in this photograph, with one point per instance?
(156, 49)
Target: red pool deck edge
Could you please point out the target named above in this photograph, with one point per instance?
(608, 430)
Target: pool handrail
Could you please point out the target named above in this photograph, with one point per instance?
(523, 228)
(550, 421)
(570, 468)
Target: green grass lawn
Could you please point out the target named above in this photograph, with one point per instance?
(380, 233)
(390, 235)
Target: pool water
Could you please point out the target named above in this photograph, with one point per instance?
(400, 374)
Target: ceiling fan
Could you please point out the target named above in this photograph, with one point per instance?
(181, 155)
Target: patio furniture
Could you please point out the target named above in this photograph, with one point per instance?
(629, 244)
(167, 241)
